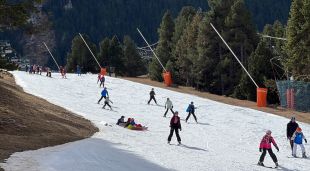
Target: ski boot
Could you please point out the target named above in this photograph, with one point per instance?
(304, 155)
(276, 164)
(294, 155)
(169, 142)
(260, 163)
(179, 142)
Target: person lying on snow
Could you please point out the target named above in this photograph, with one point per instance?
(131, 124)
(297, 137)
(265, 145)
(121, 120)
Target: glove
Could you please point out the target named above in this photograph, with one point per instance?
(171, 107)
(260, 150)
(180, 129)
(277, 149)
(306, 140)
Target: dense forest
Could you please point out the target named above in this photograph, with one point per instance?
(105, 18)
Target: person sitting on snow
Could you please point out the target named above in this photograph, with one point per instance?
(298, 136)
(121, 120)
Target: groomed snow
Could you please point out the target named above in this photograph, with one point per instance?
(226, 138)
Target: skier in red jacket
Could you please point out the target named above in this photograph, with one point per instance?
(265, 145)
(175, 125)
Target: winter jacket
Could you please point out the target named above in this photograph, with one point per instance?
(104, 92)
(291, 128)
(266, 142)
(298, 137)
(152, 93)
(169, 104)
(190, 108)
(120, 120)
(176, 124)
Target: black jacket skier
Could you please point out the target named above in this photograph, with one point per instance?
(152, 96)
(290, 129)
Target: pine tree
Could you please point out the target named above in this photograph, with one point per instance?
(164, 47)
(133, 63)
(116, 56)
(103, 55)
(80, 55)
(298, 34)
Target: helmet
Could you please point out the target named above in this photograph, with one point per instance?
(298, 129)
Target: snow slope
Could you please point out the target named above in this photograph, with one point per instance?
(226, 138)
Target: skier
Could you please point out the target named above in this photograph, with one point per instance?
(265, 145)
(121, 121)
(290, 129)
(102, 80)
(27, 68)
(168, 105)
(175, 125)
(104, 94)
(78, 70)
(191, 110)
(297, 138)
(106, 102)
(152, 96)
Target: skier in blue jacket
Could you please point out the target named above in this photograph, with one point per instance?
(104, 94)
(298, 137)
(191, 111)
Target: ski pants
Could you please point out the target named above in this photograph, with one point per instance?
(152, 98)
(292, 144)
(101, 83)
(301, 146)
(272, 155)
(167, 111)
(101, 98)
(189, 114)
(106, 104)
(176, 130)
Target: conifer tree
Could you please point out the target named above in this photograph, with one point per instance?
(298, 34)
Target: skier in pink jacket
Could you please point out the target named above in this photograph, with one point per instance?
(265, 145)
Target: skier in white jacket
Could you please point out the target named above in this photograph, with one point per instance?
(168, 105)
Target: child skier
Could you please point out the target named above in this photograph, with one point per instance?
(175, 125)
(265, 145)
(152, 96)
(121, 120)
(102, 80)
(106, 102)
(191, 110)
(298, 137)
(104, 94)
(168, 106)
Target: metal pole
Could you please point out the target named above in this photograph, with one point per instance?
(51, 55)
(90, 50)
(151, 50)
(233, 54)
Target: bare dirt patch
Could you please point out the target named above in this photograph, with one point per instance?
(300, 116)
(28, 122)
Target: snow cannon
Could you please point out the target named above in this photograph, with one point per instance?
(261, 97)
(167, 78)
(103, 71)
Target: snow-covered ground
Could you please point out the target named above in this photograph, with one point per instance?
(226, 138)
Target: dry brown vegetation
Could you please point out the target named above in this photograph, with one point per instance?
(28, 122)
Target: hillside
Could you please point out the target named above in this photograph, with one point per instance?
(225, 138)
(28, 122)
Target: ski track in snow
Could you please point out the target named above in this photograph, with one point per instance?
(226, 138)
